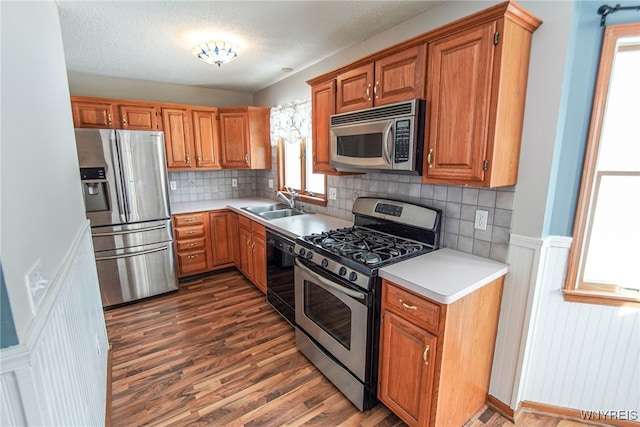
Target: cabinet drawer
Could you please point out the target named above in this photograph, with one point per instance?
(259, 230)
(189, 219)
(412, 307)
(190, 245)
(244, 222)
(192, 262)
(191, 232)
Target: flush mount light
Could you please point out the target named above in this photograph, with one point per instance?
(215, 52)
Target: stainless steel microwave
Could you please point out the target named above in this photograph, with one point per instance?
(389, 138)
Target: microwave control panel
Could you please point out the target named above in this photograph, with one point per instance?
(402, 141)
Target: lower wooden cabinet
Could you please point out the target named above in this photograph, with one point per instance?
(223, 230)
(435, 359)
(192, 243)
(253, 252)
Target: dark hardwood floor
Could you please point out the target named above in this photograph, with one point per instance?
(215, 353)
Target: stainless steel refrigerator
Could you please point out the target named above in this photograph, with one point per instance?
(124, 182)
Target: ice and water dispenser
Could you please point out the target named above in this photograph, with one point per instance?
(94, 189)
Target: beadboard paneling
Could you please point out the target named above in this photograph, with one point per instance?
(58, 376)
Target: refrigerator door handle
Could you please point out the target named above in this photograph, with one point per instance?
(132, 254)
(137, 230)
(117, 166)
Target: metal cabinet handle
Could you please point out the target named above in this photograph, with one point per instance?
(192, 256)
(314, 158)
(246, 158)
(188, 159)
(425, 355)
(375, 90)
(109, 120)
(124, 119)
(191, 245)
(190, 232)
(190, 219)
(368, 92)
(410, 307)
(430, 157)
(198, 160)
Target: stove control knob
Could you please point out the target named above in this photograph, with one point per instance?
(342, 271)
(353, 276)
(325, 262)
(301, 251)
(308, 255)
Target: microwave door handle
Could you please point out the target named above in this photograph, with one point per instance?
(388, 146)
(329, 284)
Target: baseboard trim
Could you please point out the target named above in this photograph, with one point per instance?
(107, 414)
(595, 418)
(501, 408)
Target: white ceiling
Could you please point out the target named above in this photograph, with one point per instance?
(152, 40)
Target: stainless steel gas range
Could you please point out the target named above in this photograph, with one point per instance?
(337, 288)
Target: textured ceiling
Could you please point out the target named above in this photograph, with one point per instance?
(152, 40)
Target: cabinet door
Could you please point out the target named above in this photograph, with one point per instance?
(246, 253)
(220, 229)
(206, 139)
(407, 358)
(138, 117)
(177, 139)
(93, 115)
(401, 76)
(259, 248)
(234, 140)
(458, 97)
(323, 104)
(355, 89)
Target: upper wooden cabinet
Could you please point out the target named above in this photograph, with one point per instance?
(323, 104)
(177, 138)
(193, 134)
(88, 114)
(476, 86)
(392, 78)
(244, 138)
(206, 138)
(111, 114)
(138, 117)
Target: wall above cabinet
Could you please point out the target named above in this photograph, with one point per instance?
(196, 137)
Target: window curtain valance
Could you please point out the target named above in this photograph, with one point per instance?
(291, 122)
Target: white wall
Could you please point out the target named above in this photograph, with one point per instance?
(42, 207)
(111, 87)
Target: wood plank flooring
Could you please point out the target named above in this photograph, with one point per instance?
(215, 353)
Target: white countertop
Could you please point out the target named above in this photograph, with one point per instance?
(444, 275)
(293, 226)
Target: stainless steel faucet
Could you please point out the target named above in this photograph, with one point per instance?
(291, 200)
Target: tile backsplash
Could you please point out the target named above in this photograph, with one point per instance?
(458, 204)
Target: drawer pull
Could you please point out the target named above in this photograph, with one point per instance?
(425, 355)
(192, 256)
(410, 307)
(189, 219)
(190, 232)
(191, 245)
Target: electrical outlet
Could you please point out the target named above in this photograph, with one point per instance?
(333, 193)
(36, 285)
(173, 186)
(482, 218)
(270, 183)
(234, 182)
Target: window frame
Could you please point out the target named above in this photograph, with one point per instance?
(303, 194)
(574, 289)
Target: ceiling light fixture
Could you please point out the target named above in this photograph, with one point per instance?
(215, 52)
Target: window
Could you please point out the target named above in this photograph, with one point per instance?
(604, 261)
(291, 134)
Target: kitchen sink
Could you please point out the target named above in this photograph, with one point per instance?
(281, 213)
(266, 208)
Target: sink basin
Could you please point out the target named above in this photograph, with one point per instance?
(266, 208)
(280, 213)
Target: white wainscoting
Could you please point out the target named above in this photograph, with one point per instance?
(57, 377)
(549, 351)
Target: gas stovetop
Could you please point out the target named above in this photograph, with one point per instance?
(385, 232)
(367, 247)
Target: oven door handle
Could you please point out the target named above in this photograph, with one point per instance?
(322, 280)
